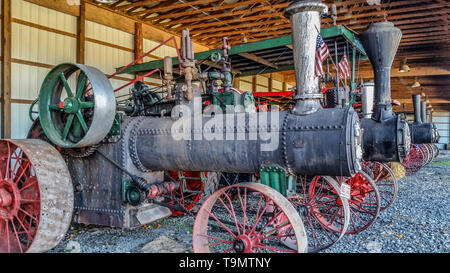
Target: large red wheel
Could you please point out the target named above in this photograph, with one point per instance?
(430, 152)
(427, 155)
(364, 201)
(36, 196)
(435, 150)
(248, 218)
(413, 162)
(325, 224)
(386, 182)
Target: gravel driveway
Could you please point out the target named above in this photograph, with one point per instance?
(417, 222)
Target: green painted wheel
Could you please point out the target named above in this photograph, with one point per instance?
(76, 105)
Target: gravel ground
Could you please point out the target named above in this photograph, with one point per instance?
(417, 222)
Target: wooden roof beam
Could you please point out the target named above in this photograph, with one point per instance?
(258, 59)
(172, 6)
(123, 8)
(222, 9)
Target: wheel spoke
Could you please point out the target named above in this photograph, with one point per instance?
(67, 127)
(17, 237)
(222, 224)
(82, 122)
(86, 104)
(232, 213)
(54, 107)
(66, 84)
(81, 84)
(30, 215)
(217, 239)
(22, 173)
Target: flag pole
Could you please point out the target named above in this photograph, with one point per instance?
(337, 75)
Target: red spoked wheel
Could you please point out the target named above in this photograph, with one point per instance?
(248, 218)
(325, 215)
(386, 182)
(364, 201)
(430, 153)
(413, 162)
(189, 196)
(435, 151)
(36, 196)
(426, 155)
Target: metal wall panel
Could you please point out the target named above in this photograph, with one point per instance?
(20, 121)
(26, 81)
(109, 35)
(442, 121)
(36, 45)
(161, 52)
(245, 86)
(277, 85)
(43, 16)
(106, 58)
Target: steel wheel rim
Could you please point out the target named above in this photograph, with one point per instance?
(29, 220)
(248, 232)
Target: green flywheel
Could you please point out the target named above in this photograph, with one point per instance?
(76, 105)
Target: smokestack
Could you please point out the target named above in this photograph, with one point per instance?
(381, 41)
(416, 104)
(367, 99)
(305, 24)
(423, 111)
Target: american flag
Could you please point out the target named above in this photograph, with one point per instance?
(344, 68)
(321, 54)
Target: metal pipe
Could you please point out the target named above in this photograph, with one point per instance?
(305, 24)
(423, 111)
(168, 76)
(417, 114)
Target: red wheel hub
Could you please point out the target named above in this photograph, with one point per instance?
(9, 200)
(246, 242)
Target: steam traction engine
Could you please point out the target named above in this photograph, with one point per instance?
(95, 161)
(423, 136)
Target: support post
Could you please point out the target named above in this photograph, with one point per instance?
(236, 83)
(138, 42)
(270, 87)
(6, 69)
(81, 29)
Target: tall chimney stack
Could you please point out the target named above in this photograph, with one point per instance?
(381, 41)
(305, 24)
(417, 111)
